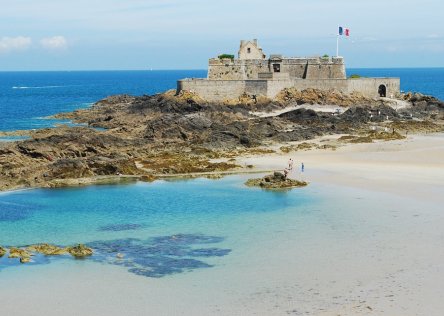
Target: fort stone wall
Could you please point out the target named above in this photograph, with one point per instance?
(370, 86)
(217, 90)
(297, 68)
(221, 90)
(236, 69)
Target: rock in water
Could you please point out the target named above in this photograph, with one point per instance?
(275, 181)
(80, 251)
(22, 254)
(47, 250)
(25, 259)
(2, 251)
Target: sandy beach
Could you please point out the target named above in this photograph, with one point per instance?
(410, 167)
(380, 255)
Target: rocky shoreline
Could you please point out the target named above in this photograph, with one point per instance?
(143, 138)
(25, 254)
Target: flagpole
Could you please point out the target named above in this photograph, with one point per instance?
(337, 45)
(337, 40)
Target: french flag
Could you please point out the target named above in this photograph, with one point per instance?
(344, 31)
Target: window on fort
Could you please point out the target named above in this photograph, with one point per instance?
(276, 67)
(248, 50)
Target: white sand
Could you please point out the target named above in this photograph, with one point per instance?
(411, 167)
(383, 254)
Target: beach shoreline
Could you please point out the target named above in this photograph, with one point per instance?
(378, 272)
(328, 164)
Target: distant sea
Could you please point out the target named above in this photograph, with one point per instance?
(27, 98)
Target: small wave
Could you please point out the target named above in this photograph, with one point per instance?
(41, 87)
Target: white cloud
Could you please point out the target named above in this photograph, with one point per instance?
(54, 43)
(19, 43)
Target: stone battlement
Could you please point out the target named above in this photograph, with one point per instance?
(295, 67)
(285, 60)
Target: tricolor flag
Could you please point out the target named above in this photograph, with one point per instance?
(343, 31)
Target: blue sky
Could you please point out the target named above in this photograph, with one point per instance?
(183, 34)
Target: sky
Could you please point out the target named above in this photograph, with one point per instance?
(184, 34)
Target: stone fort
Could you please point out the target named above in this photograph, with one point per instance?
(254, 74)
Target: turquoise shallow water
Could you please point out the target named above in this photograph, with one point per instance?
(184, 221)
(209, 247)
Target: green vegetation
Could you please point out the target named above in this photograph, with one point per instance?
(355, 76)
(223, 56)
(325, 56)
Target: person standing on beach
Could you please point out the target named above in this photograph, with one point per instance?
(290, 164)
(302, 167)
(285, 173)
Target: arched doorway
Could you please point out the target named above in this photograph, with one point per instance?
(382, 91)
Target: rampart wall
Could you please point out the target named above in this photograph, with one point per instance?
(220, 90)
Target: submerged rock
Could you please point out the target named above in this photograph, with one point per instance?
(275, 181)
(2, 251)
(120, 227)
(80, 251)
(159, 256)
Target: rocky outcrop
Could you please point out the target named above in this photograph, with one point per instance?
(371, 136)
(22, 254)
(149, 136)
(80, 251)
(47, 249)
(275, 181)
(426, 102)
(331, 97)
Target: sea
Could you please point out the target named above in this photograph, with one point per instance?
(191, 246)
(28, 98)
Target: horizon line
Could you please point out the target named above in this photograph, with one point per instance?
(194, 69)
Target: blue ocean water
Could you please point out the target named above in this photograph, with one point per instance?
(163, 227)
(26, 98)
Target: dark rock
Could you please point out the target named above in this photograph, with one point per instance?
(80, 251)
(356, 114)
(2, 251)
(275, 181)
(299, 115)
